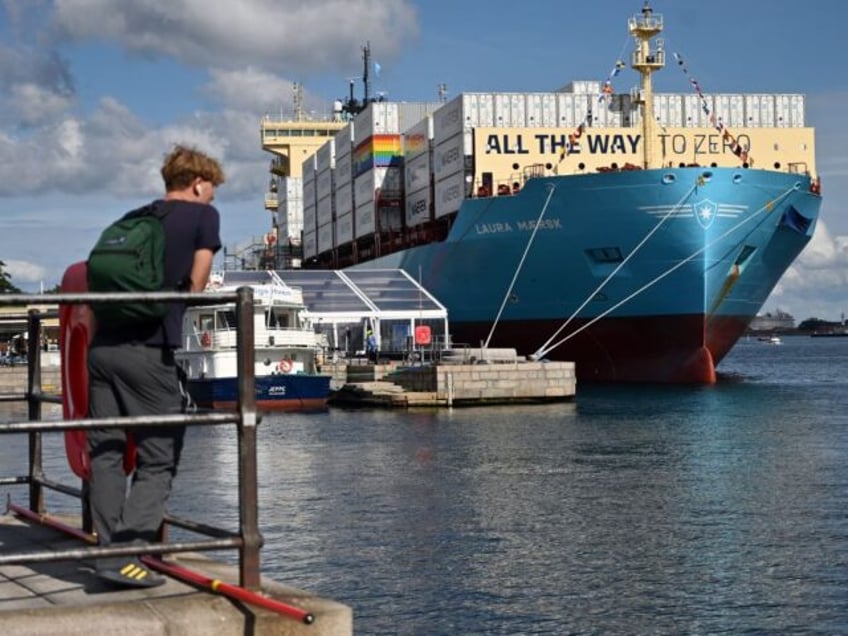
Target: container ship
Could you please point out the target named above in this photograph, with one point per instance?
(634, 233)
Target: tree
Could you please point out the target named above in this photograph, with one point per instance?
(6, 285)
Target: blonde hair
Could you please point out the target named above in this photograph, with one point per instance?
(183, 165)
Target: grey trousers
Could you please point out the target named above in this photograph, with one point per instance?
(132, 379)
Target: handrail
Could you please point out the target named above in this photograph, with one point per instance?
(248, 538)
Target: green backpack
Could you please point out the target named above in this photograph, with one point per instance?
(130, 257)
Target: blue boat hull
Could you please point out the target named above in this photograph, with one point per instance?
(273, 392)
(657, 273)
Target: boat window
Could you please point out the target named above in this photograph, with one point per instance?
(277, 319)
(605, 254)
(226, 319)
(206, 322)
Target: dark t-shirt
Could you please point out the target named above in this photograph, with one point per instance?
(188, 227)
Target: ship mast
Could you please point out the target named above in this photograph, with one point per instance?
(643, 28)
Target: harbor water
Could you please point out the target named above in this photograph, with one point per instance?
(633, 510)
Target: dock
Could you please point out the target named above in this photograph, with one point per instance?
(65, 597)
(499, 380)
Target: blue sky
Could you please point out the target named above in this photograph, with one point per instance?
(94, 92)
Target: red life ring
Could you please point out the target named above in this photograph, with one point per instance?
(205, 339)
(75, 329)
(285, 365)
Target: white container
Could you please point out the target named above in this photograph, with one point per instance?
(549, 110)
(797, 111)
(503, 109)
(449, 119)
(582, 87)
(378, 151)
(325, 238)
(310, 196)
(308, 169)
(518, 110)
(449, 194)
(344, 229)
(730, 109)
(343, 173)
(289, 188)
(324, 211)
(345, 139)
(416, 140)
(693, 111)
(565, 110)
(363, 220)
(378, 118)
(752, 110)
(310, 221)
(344, 200)
(325, 158)
(417, 173)
(668, 109)
(324, 183)
(449, 157)
(789, 111)
(365, 184)
(310, 244)
(584, 105)
(417, 208)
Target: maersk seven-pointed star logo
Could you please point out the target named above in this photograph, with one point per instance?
(705, 212)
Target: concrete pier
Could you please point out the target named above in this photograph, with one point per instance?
(457, 384)
(66, 598)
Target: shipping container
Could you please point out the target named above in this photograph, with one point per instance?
(417, 207)
(449, 194)
(417, 173)
(582, 87)
(310, 196)
(345, 139)
(389, 181)
(325, 158)
(378, 118)
(411, 113)
(565, 111)
(380, 151)
(668, 109)
(308, 168)
(289, 188)
(310, 245)
(324, 211)
(449, 157)
(344, 199)
(344, 170)
(449, 119)
(759, 110)
(290, 218)
(324, 183)
(344, 229)
(310, 220)
(797, 111)
(416, 140)
(583, 109)
(326, 241)
(363, 221)
(391, 219)
(730, 109)
(694, 115)
(518, 110)
(503, 109)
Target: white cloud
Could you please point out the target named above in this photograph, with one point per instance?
(302, 36)
(23, 272)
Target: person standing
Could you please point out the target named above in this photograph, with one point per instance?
(371, 346)
(132, 372)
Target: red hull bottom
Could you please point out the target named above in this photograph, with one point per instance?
(278, 405)
(658, 349)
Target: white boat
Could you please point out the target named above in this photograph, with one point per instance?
(287, 349)
(775, 340)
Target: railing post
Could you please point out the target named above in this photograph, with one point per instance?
(249, 572)
(36, 469)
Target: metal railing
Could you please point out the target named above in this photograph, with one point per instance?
(247, 539)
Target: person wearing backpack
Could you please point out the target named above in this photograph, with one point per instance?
(131, 356)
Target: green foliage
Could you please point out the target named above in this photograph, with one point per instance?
(6, 286)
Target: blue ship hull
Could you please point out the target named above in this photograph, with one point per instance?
(689, 256)
(282, 392)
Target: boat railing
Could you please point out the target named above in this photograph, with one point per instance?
(246, 539)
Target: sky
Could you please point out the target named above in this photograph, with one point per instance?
(93, 93)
